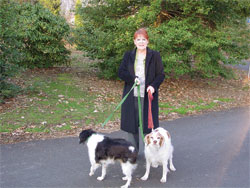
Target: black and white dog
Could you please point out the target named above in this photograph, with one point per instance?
(103, 151)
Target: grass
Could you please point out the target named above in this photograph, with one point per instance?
(191, 106)
(56, 103)
(224, 99)
(9, 128)
(37, 129)
(60, 102)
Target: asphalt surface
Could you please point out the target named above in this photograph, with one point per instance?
(211, 150)
(244, 66)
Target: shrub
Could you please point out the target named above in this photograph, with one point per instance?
(9, 48)
(42, 34)
(53, 6)
(9, 41)
(30, 36)
(193, 37)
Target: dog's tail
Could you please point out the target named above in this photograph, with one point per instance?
(132, 155)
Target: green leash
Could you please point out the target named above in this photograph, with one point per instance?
(118, 106)
(122, 101)
(139, 109)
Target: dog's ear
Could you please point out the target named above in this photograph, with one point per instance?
(169, 136)
(82, 137)
(147, 139)
(161, 139)
(81, 141)
(85, 134)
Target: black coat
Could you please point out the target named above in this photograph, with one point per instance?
(154, 77)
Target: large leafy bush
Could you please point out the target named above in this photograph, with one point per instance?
(42, 34)
(30, 36)
(9, 45)
(193, 37)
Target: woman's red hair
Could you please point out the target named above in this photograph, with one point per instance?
(141, 31)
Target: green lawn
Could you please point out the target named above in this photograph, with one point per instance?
(61, 101)
(58, 104)
(191, 106)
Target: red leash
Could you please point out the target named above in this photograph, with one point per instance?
(150, 118)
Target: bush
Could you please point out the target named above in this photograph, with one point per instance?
(193, 37)
(8, 90)
(53, 6)
(9, 48)
(9, 41)
(30, 36)
(42, 34)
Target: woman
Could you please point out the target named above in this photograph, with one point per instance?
(143, 66)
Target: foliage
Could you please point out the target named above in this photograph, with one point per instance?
(9, 42)
(8, 90)
(65, 105)
(9, 45)
(42, 34)
(37, 36)
(78, 21)
(30, 36)
(193, 37)
(52, 5)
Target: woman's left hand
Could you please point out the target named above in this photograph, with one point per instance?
(151, 89)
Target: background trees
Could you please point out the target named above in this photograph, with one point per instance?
(193, 37)
(30, 36)
(9, 45)
(53, 6)
(42, 34)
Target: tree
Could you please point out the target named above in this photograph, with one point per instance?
(52, 5)
(9, 48)
(30, 36)
(43, 35)
(193, 37)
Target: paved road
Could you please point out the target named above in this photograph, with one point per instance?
(244, 66)
(211, 150)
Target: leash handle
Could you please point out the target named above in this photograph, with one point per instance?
(150, 117)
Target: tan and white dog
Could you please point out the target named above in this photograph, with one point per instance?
(158, 151)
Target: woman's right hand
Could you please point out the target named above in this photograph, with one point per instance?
(137, 81)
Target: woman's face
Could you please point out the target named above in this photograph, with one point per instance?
(141, 42)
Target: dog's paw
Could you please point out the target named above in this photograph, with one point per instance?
(163, 180)
(172, 168)
(91, 173)
(100, 178)
(144, 178)
(125, 178)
